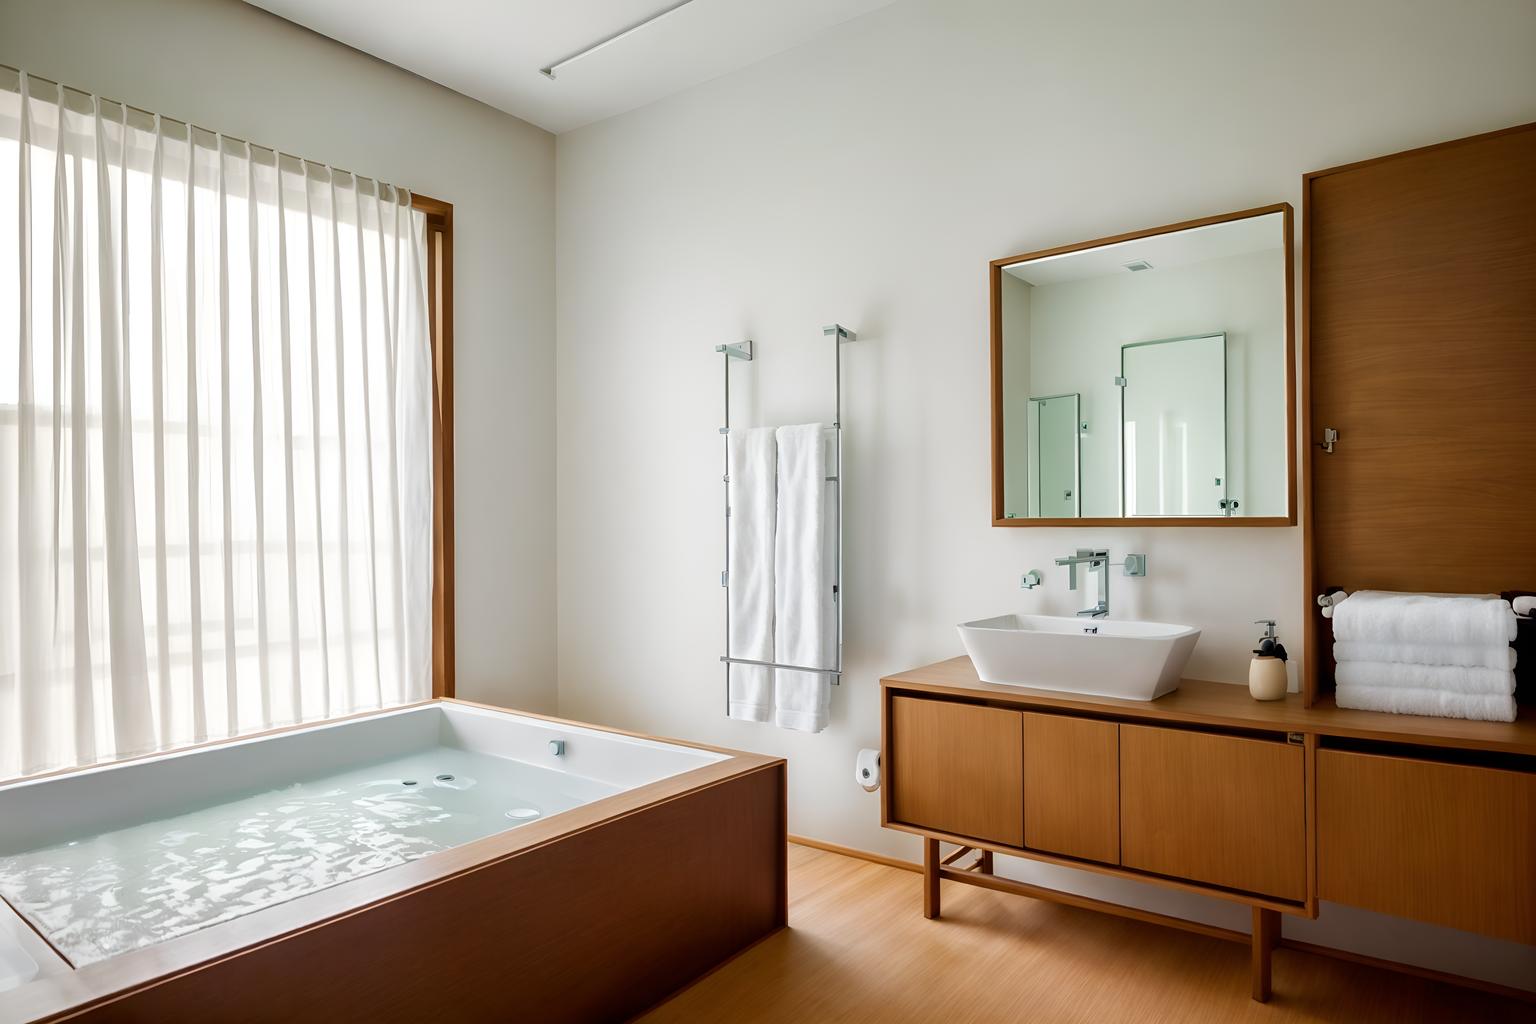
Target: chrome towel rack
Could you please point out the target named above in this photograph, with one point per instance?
(743, 352)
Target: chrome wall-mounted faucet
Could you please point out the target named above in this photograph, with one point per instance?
(1098, 561)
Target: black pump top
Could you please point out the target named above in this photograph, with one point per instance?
(1269, 644)
(1271, 648)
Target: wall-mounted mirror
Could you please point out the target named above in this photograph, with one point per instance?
(1147, 377)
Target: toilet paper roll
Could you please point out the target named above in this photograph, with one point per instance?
(866, 770)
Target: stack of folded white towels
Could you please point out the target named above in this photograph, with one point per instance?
(1425, 654)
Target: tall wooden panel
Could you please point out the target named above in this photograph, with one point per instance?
(1419, 293)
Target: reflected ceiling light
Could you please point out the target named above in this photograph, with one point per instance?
(549, 72)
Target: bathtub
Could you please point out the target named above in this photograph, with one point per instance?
(440, 861)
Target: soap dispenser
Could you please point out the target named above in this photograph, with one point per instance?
(1267, 678)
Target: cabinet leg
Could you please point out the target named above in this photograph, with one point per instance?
(985, 864)
(1266, 932)
(930, 878)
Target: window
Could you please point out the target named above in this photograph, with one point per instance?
(223, 486)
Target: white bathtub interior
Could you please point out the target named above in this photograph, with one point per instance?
(20, 958)
(120, 857)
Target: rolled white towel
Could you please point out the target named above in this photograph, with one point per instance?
(1525, 605)
(1498, 656)
(1436, 703)
(1486, 682)
(1384, 617)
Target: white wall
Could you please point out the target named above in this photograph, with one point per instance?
(868, 177)
(239, 70)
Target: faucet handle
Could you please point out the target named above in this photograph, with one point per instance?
(1031, 580)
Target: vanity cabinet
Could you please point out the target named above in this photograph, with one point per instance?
(1072, 786)
(957, 768)
(1271, 805)
(1449, 844)
(1226, 810)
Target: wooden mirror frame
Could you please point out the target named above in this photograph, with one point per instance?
(995, 271)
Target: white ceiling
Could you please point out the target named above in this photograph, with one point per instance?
(1164, 252)
(493, 49)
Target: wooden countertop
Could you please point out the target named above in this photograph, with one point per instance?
(1201, 702)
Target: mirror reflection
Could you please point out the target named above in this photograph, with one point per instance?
(1054, 457)
(1147, 377)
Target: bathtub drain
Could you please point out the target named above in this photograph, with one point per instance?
(523, 813)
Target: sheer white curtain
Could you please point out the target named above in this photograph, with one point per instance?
(215, 436)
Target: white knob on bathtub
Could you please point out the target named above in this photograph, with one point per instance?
(557, 747)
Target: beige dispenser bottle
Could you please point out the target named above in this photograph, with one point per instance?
(1267, 679)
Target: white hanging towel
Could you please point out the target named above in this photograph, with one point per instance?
(803, 614)
(749, 592)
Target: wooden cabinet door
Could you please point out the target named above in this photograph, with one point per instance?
(1226, 810)
(1072, 786)
(957, 768)
(1449, 844)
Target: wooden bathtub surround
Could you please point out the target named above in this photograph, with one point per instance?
(1270, 804)
(596, 913)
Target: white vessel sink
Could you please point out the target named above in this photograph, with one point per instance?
(1103, 657)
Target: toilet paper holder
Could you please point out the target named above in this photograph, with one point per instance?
(866, 770)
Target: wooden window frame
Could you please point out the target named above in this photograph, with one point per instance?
(440, 320)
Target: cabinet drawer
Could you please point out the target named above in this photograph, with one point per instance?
(1072, 786)
(957, 768)
(1449, 844)
(1225, 810)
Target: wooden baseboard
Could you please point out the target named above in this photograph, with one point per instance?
(1428, 973)
(1493, 988)
(848, 851)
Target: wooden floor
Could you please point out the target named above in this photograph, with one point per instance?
(858, 949)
